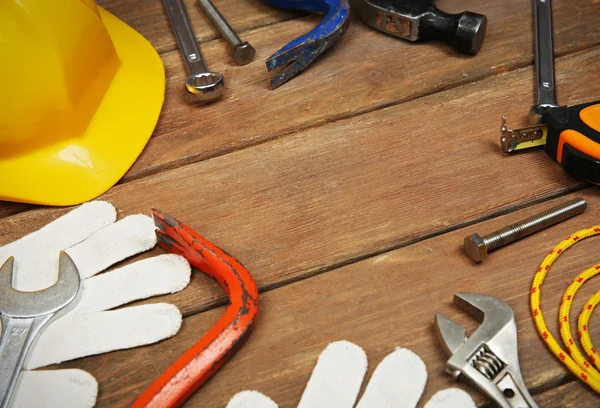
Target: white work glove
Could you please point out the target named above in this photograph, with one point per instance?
(95, 242)
(398, 381)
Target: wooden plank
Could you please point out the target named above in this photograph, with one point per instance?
(365, 71)
(570, 395)
(355, 187)
(251, 113)
(150, 20)
(379, 303)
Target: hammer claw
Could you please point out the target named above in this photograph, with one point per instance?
(298, 54)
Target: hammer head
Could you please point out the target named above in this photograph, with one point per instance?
(417, 20)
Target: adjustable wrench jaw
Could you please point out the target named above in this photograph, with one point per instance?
(489, 358)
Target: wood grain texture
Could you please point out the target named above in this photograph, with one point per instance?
(365, 71)
(355, 187)
(570, 395)
(343, 193)
(379, 303)
(150, 20)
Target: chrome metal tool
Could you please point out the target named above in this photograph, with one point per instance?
(546, 85)
(23, 316)
(477, 247)
(202, 83)
(489, 359)
(242, 52)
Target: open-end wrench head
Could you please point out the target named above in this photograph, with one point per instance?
(206, 86)
(17, 304)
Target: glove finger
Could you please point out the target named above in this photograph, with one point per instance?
(398, 381)
(36, 254)
(112, 244)
(140, 280)
(335, 382)
(79, 335)
(251, 399)
(451, 398)
(56, 388)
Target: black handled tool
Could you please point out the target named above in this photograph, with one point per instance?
(416, 20)
(570, 134)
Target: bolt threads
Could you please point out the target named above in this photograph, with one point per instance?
(533, 224)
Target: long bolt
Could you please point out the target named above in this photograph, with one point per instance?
(242, 52)
(477, 248)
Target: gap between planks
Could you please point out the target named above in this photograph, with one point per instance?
(402, 244)
(226, 149)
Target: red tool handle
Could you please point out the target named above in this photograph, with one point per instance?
(204, 358)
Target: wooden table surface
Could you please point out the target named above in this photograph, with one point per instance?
(348, 191)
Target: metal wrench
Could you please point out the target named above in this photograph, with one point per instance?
(489, 359)
(202, 83)
(544, 57)
(23, 316)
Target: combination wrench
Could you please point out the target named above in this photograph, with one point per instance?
(202, 83)
(23, 316)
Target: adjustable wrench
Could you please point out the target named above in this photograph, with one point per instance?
(23, 316)
(489, 359)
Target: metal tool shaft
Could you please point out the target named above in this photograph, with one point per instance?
(534, 224)
(194, 61)
(242, 52)
(544, 57)
(17, 339)
(220, 23)
(477, 248)
(24, 314)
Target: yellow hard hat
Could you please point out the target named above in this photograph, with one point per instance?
(81, 93)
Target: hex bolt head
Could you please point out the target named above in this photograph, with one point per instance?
(475, 248)
(243, 53)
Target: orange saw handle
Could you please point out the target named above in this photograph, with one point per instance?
(204, 358)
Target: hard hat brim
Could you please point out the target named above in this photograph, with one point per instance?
(84, 167)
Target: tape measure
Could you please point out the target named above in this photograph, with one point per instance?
(570, 135)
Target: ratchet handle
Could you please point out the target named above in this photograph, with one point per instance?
(573, 138)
